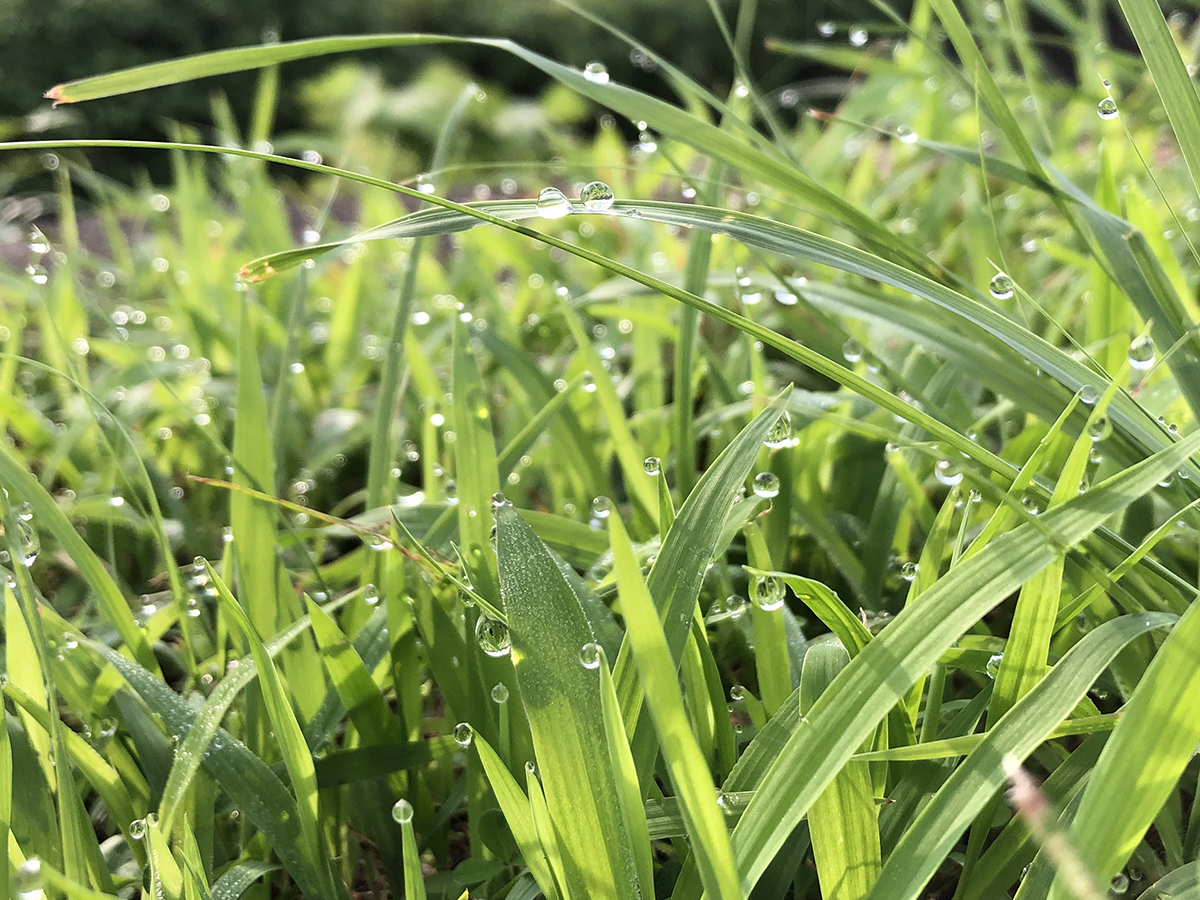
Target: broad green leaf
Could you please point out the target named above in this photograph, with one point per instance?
(562, 701)
(846, 714)
(684, 761)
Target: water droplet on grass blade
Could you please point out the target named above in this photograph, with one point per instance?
(948, 472)
(137, 829)
(1089, 394)
(589, 655)
(553, 203)
(493, 636)
(766, 485)
(1107, 108)
(993, 664)
(1141, 353)
(596, 73)
(906, 134)
(737, 693)
(1120, 882)
(601, 507)
(1001, 286)
(852, 350)
(652, 465)
(1099, 428)
(499, 694)
(28, 878)
(781, 432)
(909, 570)
(463, 734)
(402, 812)
(769, 592)
(596, 195)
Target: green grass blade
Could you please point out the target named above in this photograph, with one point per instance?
(946, 748)
(685, 762)
(515, 806)
(234, 882)
(562, 701)
(842, 823)
(290, 738)
(1144, 757)
(934, 832)
(254, 467)
(846, 714)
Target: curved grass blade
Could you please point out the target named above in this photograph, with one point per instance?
(1144, 757)
(685, 763)
(562, 701)
(864, 692)
(934, 832)
(234, 882)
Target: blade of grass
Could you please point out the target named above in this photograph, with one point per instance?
(688, 770)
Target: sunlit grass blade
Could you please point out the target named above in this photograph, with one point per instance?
(838, 724)
(516, 809)
(234, 882)
(562, 701)
(946, 748)
(290, 738)
(968, 790)
(842, 822)
(1146, 753)
(681, 753)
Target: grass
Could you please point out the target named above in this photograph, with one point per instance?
(751, 534)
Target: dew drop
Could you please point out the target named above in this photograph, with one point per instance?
(499, 693)
(1001, 286)
(736, 605)
(737, 693)
(948, 472)
(652, 465)
(780, 434)
(906, 134)
(553, 203)
(601, 507)
(909, 570)
(826, 29)
(370, 595)
(769, 592)
(1120, 882)
(589, 655)
(463, 734)
(766, 485)
(498, 500)
(1099, 428)
(596, 73)
(858, 37)
(1141, 353)
(852, 350)
(402, 812)
(596, 195)
(137, 829)
(1089, 394)
(28, 878)
(1107, 108)
(993, 664)
(493, 636)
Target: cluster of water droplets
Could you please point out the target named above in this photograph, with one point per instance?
(595, 196)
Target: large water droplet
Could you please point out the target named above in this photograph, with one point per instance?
(1099, 428)
(1120, 882)
(499, 693)
(596, 73)
(1107, 108)
(601, 507)
(28, 877)
(463, 734)
(780, 434)
(766, 485)
(589, 655)
(906, 134)
(137, 829)
(852, 350)
(736, 605)
(402, 812)
(1001, 286)
(370, 595)
(596, 195)
(948, 472)
(553, 203)
(652, 465)
(737, 693)
(1089, 394)
(993, 664)
(909, 570)
(769, 592)
(493, 636)
(1141, 353)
